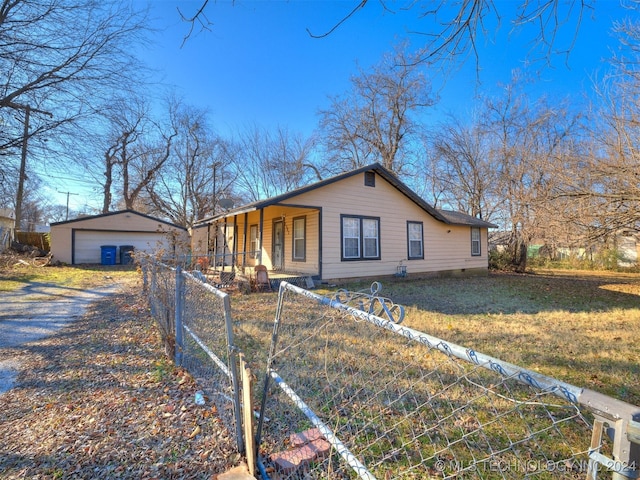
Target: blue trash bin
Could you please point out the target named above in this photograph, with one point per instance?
(108, 254)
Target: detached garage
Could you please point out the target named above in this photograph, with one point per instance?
(112, 237)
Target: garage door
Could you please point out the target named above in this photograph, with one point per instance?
(88, 242)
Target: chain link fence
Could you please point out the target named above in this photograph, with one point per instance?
(195, 322)
(351, 393)
(159, 282)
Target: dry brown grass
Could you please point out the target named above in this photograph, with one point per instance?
(579, 327)
(100, 400)
(388, 398)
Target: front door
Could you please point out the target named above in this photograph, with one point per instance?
(278, 245)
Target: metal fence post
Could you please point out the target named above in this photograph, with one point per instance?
(178, 315)
(144, 267)
(154, 274)
(272, 351)
(621, 422)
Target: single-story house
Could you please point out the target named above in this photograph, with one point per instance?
(82, 240)
(7, 227)
(365, 223)
(625, 244)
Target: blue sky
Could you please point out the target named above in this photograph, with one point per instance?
(257, 64)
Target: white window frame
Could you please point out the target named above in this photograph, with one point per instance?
(476, 242)
(299, 247)
(412, 239)
(253, 241)
(360, 237)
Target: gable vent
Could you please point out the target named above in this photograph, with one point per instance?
(369, 179)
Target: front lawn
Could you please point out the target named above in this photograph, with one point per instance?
(579, 327)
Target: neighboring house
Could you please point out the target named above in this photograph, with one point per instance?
(362, 224)
(627, 247)
(81, 240)
(7, 227)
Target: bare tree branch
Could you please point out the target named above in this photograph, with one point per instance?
(337, 25)
(200, 17)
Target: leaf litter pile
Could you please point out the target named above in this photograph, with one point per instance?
(100, 400)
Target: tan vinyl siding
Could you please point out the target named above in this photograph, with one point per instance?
(311, 264)
(199, 239)
(121, 228)
(446, 247)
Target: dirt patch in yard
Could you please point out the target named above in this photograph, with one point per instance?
(98, 399)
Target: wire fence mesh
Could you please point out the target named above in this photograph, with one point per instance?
(160, 282)
(196, 317)
(350, 394)
(207, 348)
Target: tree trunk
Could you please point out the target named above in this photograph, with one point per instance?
(519, 253)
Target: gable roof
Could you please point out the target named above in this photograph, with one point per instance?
(91, 217)
(445, 216)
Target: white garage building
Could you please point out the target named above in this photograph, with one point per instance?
(106, 238)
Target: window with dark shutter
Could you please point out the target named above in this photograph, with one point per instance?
(360, 237)
(475, 241)
(415, 241)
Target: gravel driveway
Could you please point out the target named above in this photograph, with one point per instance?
(99, 399)
(37, 311)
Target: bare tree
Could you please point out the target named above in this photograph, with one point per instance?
(57, 61)
(454, 30)
(197, 18)
(527, 140)
(137, 147)
(270, 163)
(31, 195)
(64, 48)
(429, 184)
(126, 118)
(461, 29)
(374, 122)
(197, 174)
(464, 169)
(602, 183)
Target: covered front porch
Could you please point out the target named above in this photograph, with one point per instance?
(283, 239)
(247, 278)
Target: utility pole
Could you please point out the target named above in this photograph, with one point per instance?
(214, 196)
(23, 156)
(23, 168)
(68, 193)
